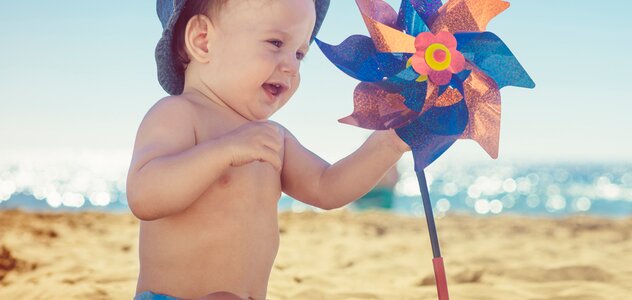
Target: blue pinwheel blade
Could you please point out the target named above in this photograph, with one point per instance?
(358, 58)
(409, 20)
(404, 83)
(490, 54)
(434, 132)
(426, 9)
(456, 82)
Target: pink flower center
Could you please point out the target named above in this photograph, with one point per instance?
(439, 55)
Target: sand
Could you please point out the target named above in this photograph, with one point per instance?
(340, 255)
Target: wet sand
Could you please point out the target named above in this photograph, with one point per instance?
(340, 255)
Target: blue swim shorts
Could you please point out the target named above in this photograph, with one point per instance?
(153, 296)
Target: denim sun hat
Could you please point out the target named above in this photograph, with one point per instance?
(170, 75)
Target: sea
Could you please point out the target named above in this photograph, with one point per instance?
(95, 181)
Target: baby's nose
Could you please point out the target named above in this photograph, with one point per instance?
(291, 66)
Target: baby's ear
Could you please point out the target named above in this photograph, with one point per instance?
(196, 36)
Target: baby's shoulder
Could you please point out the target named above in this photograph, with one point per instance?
(173, 114)
(172, 107)
(166, 128)
(286, 132)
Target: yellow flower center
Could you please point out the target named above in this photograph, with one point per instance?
(433, 55)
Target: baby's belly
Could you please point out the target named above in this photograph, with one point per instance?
(226, 241)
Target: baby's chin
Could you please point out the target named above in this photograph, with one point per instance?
(260, 116)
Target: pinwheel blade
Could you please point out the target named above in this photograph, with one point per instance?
(379, 11)
(413, 91)
(482, 97)
(427, 9)
(434, 132)
(358, 58)
(466, 15)
(490, 54)
(386, 38)
(378, 109)
(409, 20)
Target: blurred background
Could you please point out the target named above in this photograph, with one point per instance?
(77, 77)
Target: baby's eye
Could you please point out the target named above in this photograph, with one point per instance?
(300, 55)
(276, 43)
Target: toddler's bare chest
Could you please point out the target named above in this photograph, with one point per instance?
(250, 192)
(255, 179)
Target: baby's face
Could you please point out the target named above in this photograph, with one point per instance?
(256, 52)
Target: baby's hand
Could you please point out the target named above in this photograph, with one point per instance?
(255, 141)
(394, 141)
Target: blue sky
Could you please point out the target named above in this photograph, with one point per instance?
(81, 74)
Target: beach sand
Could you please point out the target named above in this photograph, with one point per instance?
(340, 255)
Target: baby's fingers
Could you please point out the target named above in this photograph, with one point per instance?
(272, 156)
(271, 139)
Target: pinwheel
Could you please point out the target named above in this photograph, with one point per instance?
(433, 74)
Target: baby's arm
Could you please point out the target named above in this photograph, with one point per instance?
(310, 179)
(169, 171)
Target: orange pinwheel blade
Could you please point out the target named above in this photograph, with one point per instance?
(467, 15)
(386, 38)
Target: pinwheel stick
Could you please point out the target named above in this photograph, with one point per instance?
(437, 261)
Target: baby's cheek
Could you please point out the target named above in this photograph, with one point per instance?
(296, 81)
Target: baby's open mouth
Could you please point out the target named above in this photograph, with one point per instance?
(273, 88)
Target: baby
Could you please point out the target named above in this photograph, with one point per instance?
(208, 167)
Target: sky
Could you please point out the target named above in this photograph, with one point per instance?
(81, 75)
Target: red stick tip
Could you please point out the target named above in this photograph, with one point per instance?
(440, 279)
